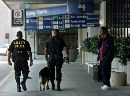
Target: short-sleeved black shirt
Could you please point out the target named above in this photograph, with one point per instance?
(19, 45)
(55, 45)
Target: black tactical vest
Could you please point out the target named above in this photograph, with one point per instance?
(55, 48)
(20, 48)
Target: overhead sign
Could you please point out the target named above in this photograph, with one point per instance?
(63, 21)
(70, 8)
(85, 7)
(17, 17)
(78, 21)
(58, 22)
(31, 24)
(47, 22)
(83, 21)
(46, 11)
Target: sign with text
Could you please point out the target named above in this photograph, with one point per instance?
(84, 7)
(64, 21)
(47, 22)
(70, 8)
(17, 18)
(31, 24)
(78, 21)
(83, 21)
(58, 22)
(56, 10)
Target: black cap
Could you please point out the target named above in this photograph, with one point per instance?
(19, 33)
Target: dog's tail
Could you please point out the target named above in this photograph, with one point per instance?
(40, 79)
(40, 82)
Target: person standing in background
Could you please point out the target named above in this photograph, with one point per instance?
(106, 55)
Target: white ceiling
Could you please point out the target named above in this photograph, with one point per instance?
(25, 4)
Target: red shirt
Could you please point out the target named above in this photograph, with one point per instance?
(101, 53)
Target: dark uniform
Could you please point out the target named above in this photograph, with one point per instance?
(55, 46)
(19, 48)
(106, 59)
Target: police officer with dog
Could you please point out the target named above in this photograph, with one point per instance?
(20, 51)
(53, 54)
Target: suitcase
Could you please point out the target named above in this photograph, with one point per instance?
(96, 73)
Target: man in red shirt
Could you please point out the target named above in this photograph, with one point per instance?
(106, 55)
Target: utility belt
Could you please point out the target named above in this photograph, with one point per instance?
(55, 56)
(19, 52)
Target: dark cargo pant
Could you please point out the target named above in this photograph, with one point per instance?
(106, 71)
(21, 65)
(52, 64)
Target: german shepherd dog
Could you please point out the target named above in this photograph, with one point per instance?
(44, 76)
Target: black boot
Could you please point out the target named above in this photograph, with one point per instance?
(18, 87)
(58, 86)
(17, 78)
(53, 85)
(23, 86)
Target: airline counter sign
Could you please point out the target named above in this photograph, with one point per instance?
(17, 17)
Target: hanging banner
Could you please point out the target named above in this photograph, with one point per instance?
(17, 18)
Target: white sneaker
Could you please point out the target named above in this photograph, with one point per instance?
(105, 87)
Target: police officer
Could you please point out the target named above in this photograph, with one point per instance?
(21, 51)
(53, 53)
